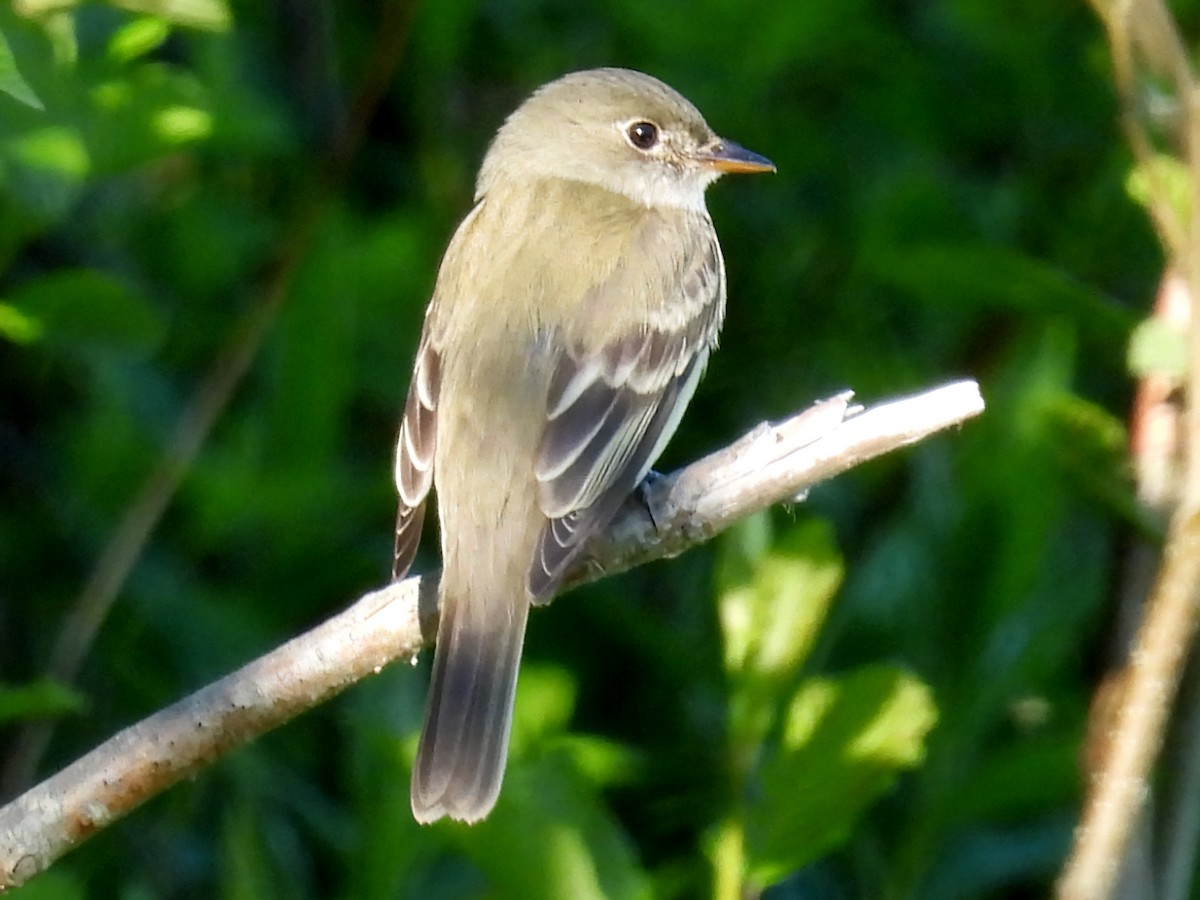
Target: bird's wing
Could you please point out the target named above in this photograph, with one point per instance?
(414, 452)
(611, 409)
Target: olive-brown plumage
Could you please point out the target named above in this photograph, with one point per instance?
(573, 314)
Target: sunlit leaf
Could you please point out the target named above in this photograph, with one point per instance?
(209, 15)
(157, 107)
(18, 327)
(55, 148)
(551, 836)
(844, 742)
(1163, 177)
(602, 761)
(182, 124)
(137, 38)
(1155, 348)
(771, 615)
(545, 701)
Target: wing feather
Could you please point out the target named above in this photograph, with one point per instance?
(611, 410)
(414, 453)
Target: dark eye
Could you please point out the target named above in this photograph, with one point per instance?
(643, 135)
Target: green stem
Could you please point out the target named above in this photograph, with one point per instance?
(729, 860)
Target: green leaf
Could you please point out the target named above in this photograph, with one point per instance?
(179, 124)
(156, 108)
(208, 15)
(844, 742)
(38, 700)
(774, 601)
(1155, 348)
(546, 698)
(602, 761)
(137, 38)
(774, 596)
(11, 80)
(55, 148)
(85, 308)
(545, 701)
(551, 836)
(1166, 174)
(18, 327)
(44, 168)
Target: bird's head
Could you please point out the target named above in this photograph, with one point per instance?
(617, 129)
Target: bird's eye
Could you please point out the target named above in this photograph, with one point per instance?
(643, 135)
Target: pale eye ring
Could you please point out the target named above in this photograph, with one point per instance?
(643, 135)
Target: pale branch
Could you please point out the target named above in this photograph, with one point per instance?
(773, 463)
(1147, 47)
(1120, 789)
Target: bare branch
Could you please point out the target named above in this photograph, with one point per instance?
(771, 464)
(1147, 49)
(1155, 662)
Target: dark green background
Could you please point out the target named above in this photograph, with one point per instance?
(950, 203)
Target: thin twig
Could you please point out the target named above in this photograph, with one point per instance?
(771, 464)
(1144, 42)
(1138, 724)
(1156, 436)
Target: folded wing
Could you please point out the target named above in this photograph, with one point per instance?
(414, 454)
(611, 410)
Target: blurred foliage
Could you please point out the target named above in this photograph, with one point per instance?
(877, 693)
(37, 698)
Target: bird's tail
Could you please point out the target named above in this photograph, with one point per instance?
(468, 714)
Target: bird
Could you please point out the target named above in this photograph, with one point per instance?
(574, 311)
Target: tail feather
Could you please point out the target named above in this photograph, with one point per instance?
(468, 716)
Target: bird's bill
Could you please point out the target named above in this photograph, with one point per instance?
(726, 156)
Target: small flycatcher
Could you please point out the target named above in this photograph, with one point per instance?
(574, 311)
